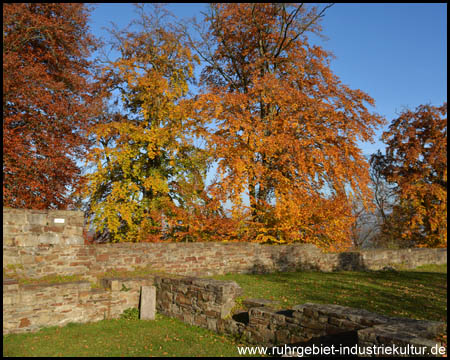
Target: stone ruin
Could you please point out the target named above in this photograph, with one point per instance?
(39, 243)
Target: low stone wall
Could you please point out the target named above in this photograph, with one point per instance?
(314, 321)
(23, 227)
(207, 303)
(37, 243)
(31, 307)
(202, 302)
(201, 259)
(377, 259)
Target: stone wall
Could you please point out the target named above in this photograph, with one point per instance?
(323, 321)
(202, 302)
(201, 259)
(23, 227)
(31, 307)
(207, 303)
(38, 243)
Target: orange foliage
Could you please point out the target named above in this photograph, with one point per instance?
(286, 127)
(416, 161)
(281, 126)
(48, 101)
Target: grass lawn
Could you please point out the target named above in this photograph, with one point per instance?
(162, 337)
(420, 294)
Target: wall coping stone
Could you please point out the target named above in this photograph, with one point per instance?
(64, 284)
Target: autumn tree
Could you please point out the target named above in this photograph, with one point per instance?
(148, 171)
(416, 164)
(49, 100)
(286, 128)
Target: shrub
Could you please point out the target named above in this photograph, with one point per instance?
(130, 314)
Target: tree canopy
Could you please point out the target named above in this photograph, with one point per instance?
(416, 164)
(265, 110)
(146, 162)
(286, 127)
(49, 100)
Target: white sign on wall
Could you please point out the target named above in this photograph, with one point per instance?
(59, 221)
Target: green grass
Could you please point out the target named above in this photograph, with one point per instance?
(419, 294)
(139, 271)
(50, 279)
(161, 337)
(429, 268)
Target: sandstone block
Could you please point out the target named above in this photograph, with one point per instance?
(212, 324)
(148, 303)
(37, 219)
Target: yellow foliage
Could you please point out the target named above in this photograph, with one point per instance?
(135, 152)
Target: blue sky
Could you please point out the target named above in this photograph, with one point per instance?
(397, 53)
